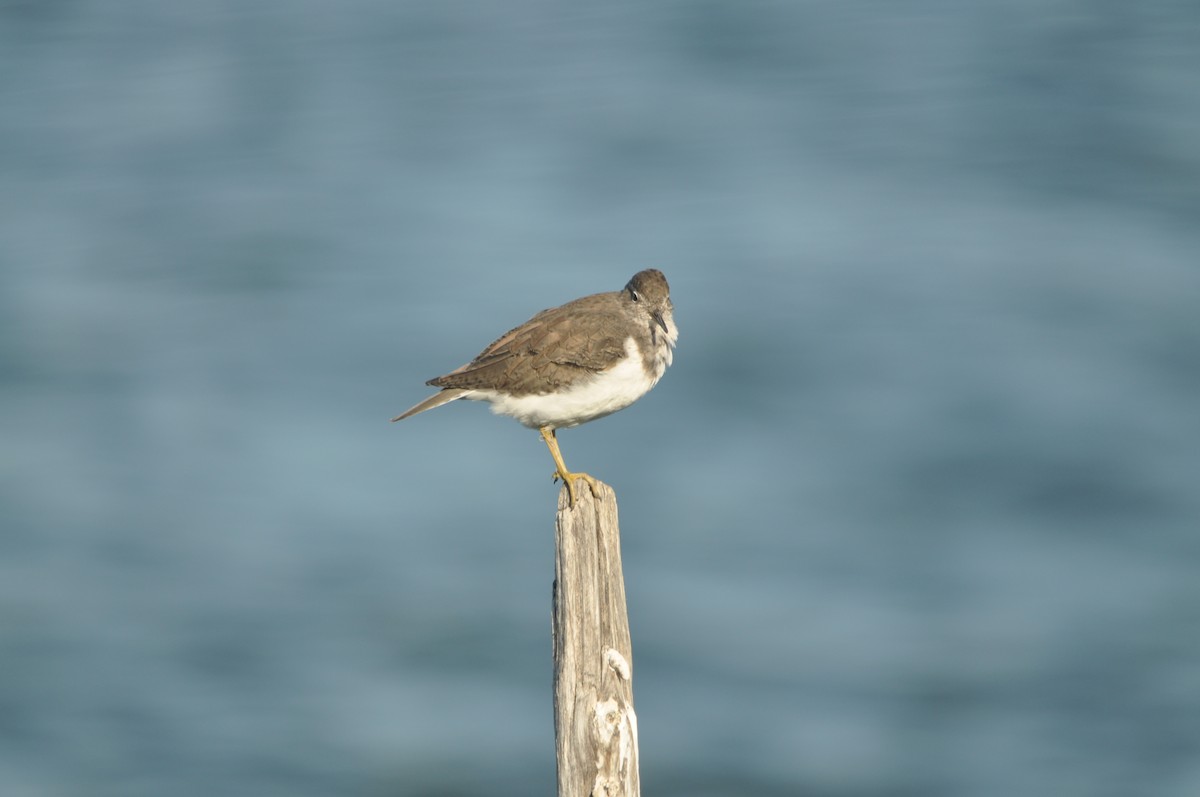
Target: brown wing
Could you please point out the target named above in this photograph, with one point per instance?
(550, 350)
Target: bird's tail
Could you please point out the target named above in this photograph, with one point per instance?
(436, 400)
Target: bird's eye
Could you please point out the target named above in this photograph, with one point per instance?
(635, 295)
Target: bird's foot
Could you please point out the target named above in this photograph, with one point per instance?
(569, 480)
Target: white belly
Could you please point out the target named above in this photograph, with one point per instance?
(609, 391)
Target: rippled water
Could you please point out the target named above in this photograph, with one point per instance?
(914, 512)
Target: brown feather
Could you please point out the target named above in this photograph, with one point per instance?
(530, 358)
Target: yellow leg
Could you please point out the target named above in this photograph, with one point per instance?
(562, 472)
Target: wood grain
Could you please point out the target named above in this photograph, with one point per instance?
(595, 727)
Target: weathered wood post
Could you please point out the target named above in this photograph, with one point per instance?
(595, 728)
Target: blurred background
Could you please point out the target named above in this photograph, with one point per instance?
(916, 510)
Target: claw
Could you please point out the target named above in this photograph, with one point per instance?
(567, 476)
(570, 479)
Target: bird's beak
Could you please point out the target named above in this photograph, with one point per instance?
(658, 319)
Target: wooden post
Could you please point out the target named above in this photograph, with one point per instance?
(595, 728)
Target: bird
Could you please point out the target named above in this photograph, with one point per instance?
(571, 364)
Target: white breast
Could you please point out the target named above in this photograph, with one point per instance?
(662, 353)
(604, 394)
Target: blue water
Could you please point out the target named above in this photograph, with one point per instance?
(915, 512)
